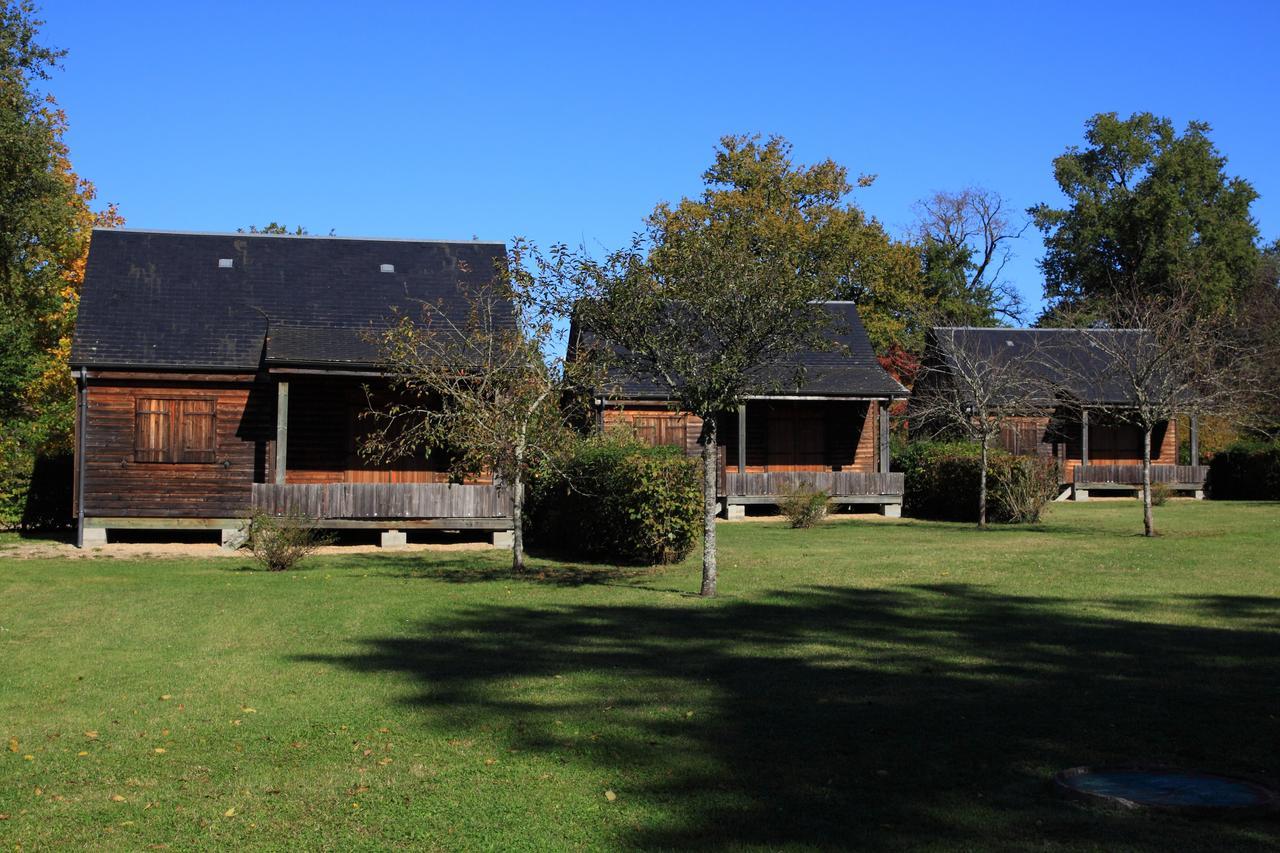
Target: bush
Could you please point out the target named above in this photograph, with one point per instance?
(941, 482)
(1020, 488)
(616, 499)
(35, 489)
(280, 542)
(804, 507)
(1160, 494)
(1245, 471)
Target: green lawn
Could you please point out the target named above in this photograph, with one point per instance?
(864, 684)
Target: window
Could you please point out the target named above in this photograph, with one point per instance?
(175, 430)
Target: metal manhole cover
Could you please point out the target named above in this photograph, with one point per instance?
(1166, 789)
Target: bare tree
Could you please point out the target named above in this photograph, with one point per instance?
(1160, 357)
(969, 235)
(970, 384)
(479, 386)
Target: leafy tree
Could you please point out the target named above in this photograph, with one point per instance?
(717, 293)
(274, 227)
(479, 388)
(964, 240)
(46, 220)
(1148, 211)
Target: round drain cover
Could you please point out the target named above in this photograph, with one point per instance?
(1166, 789)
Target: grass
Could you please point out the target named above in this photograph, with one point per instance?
(860, 684)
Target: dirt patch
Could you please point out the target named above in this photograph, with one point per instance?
(200, 550)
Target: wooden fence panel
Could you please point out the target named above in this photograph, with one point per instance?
(1131, 475)
(834, 483)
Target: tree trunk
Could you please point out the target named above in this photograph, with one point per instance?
(517, 523)
(710, 461)
(982, 488)
(1148, 521)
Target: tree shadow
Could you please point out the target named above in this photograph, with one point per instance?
(914, 717)
(487, 567)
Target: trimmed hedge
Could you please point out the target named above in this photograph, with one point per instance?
(619, 500)
(1245, 471)
(941, 482)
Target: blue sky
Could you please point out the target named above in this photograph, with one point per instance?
(569, 122)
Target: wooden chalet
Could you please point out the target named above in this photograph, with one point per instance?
(829, 433)
(1086, 430)
(221, 372)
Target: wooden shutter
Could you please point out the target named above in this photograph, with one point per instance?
(198, 431)
(153, 436)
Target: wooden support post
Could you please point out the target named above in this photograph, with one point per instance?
(742, 439)
(884, 436)
(1195, 440)
(1084, 436)
(282, 429)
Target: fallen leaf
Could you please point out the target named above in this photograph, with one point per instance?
(384, 730)
(116, 798)
(610, 796)
(13, 744)
(159, 750)
(91, 735)
(297, 744)
(82, 753)
(383, 762)
(489, 761)
(164, 733)
(248, 710)
(229, 813)
(165, 698)
(28, 758)
(355, 805)
(39, 791)
(4, 817)
(235, 722)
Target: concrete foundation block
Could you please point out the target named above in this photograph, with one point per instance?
(504, 539)
(234, 538)
(735, 512)
(1079, 494)
(93, 537)
(891, 510)
(394, 539)
(1198, 494)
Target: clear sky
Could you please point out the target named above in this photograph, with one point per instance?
(569, 122)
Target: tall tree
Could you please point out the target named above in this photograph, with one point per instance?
(1148, 210)
(46, 220)
(718, 292)
(966, 242)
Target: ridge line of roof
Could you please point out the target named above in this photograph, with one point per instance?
(303, 236)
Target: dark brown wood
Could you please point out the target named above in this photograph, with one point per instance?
(1188, 476)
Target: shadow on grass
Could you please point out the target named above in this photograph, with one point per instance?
(918, 717)
(489, 566)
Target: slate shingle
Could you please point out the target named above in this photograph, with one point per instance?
(155, 299)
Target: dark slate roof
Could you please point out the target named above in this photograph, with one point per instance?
(1068, 360)
(850, 370)
(155, 299)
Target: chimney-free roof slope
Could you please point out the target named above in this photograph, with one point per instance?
(163, 300)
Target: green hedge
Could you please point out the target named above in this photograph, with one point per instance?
(35, 490)
(619, 501)
(941, 482)
(1245, 471)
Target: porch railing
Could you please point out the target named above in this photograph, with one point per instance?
(834, 483)
(383, 500)
(1131, 475)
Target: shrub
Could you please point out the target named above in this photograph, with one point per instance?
(616, 499)
(280, 542)
(1245, 471)
(1020, 488)
(941, 482)
(804, 507)
(1160, 494)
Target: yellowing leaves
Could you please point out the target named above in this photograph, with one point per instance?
(13, 744)
(159, 750)
(610, 796)
(231, 812)
(91, 735)
(116, 798)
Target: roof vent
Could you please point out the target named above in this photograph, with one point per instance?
(387, 268)
(224, 263)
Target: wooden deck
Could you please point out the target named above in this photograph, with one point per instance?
(1101, 477)
(374, 504)
(842, 486)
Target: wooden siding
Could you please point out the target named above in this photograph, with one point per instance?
(834, 483)
(385, 500)
(657, 425)
(1131, 475)
(117, 484)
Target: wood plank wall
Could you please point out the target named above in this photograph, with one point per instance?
(1110, 443)
(117, 485)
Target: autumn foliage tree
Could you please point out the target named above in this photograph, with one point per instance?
(47, 214)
